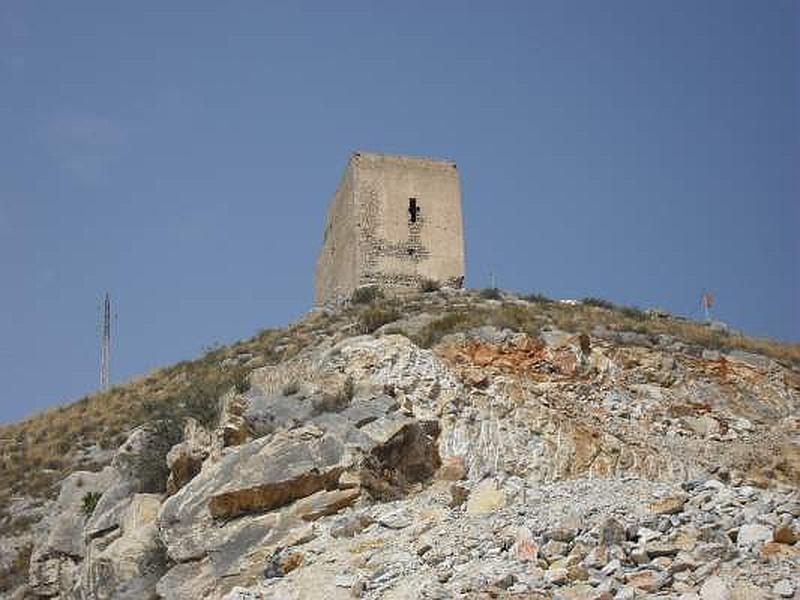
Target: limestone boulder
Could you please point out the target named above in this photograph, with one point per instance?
(266, 414)
(485, 498)
(185, 459)
(260, 476)
(131, 565)
(54, 566)
(260, 496)
(139, 466)
(233, 429)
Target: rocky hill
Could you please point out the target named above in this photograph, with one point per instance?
(453, 444)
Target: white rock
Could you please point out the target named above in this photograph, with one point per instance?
(240, 593)
(611, 567)
(626, 593)
(784, 588)
(396, 519)
(753, 533)
(715, 589)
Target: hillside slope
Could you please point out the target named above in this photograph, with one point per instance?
(446, 445)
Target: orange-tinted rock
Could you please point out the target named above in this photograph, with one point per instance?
(453, 469)
(785, 535)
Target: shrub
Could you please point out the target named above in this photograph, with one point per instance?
(349, 389)
(89, 503)
(108, 439)
(537, 298)
(633, 312)
(598, 302)
(23, 560)
(241, 380)
(335, 402)
(151, 465)
(373, 317)
(366, 294)
(22, 524)
(490, 294)
(515, 318)
(449, 323)
(429, 285)
(200, 401)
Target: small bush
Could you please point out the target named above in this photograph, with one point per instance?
(89, 503)
(633, 312)
(490, 294)
(335, 402)
(515, 318)
(349, 389)
(598, 302)
(366, 294)
(22, 524)
(373, 317)
(537, 298)
(108, 440)
(201, 402)
(241, 381)
(449, 323)
(429, 285)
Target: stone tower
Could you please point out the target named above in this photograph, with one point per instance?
(394, 222)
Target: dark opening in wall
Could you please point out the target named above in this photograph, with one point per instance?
(413, 209)
(411, 252)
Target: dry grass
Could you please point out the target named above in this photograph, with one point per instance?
(691, 332)
(539, 311)
(373, 317)
(17, 572)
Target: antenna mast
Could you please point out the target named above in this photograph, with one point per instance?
(105, 344)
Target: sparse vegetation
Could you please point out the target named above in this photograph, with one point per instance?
(37, 453)
(491, 294)
(633, 312)
(429, 285)
(366, 294)
(336, 401)
(241, 381)
(629, 312)
(17, 572)
(89, 503)
(348, 390)
(450, 323)
(152, 465)
(598, 302)
(23, 523)
(537, 298)
(373, 317)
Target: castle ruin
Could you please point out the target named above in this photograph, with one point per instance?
(394, 222)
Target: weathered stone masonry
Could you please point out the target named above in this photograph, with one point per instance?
(394, 221)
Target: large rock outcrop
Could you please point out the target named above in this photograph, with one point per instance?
(131, 565)
(588, 464)
(102, 541)
(55, 562)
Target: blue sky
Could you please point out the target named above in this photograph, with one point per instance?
(181, 155)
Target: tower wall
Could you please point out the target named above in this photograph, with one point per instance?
(394, 221)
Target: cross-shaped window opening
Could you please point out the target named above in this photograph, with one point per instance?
(413, 209)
